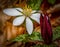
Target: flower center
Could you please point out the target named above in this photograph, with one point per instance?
(27, 11)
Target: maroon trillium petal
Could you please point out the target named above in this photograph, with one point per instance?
(46, 29)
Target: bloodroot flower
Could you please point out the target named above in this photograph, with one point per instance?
(23, 15)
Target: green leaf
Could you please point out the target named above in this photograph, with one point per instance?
(20, 37)
(52, 1)
(56, 33)
(44, 45)
(34, 4)
(35, 36)
(25, 37)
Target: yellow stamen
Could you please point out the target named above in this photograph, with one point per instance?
(27, 10)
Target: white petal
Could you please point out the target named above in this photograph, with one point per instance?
(12, 12)
(18, 21)
(33, 11)
(20, 9)
(37, 15)
(29, 26)
(36, 19)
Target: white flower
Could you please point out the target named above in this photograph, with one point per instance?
(26, 14)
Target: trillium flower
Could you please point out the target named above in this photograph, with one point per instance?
(23, 15)
(46, 29)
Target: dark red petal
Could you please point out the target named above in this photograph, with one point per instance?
(46, 30)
